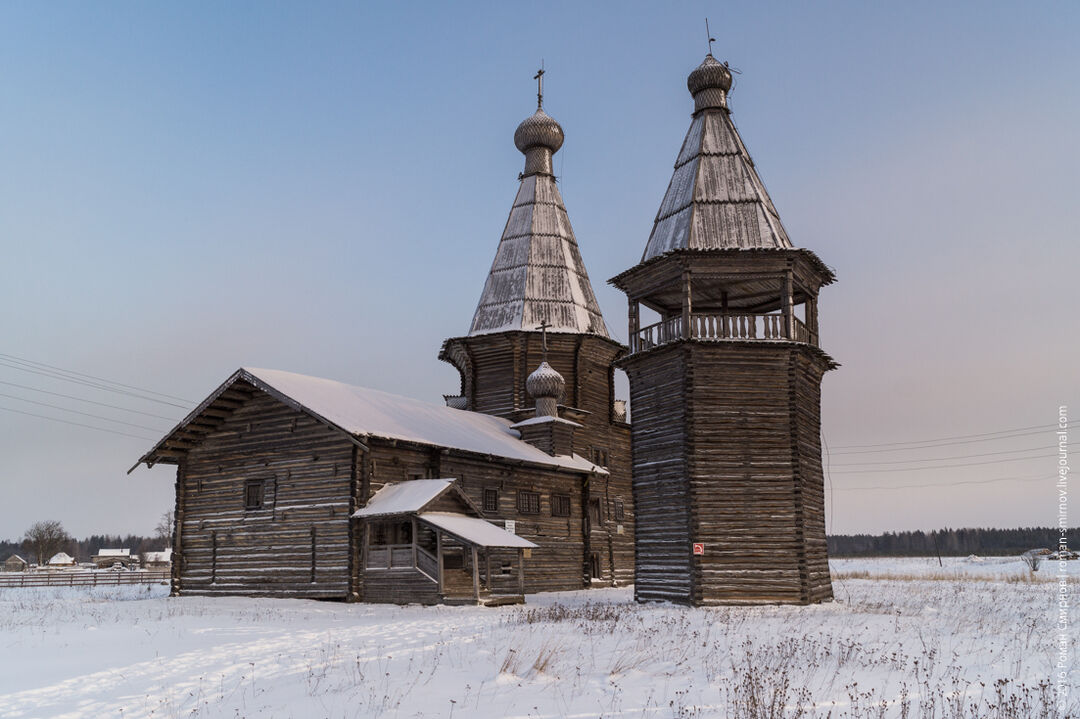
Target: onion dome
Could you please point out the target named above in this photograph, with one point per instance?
(709, 84)
(539, 130)
(545, 382)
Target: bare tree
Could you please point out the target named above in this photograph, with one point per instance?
(163, 532)
(44, 539)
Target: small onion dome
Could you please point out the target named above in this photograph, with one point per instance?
(708, 75)
(539, 130)
(545, 382)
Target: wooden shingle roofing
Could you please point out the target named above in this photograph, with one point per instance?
(538, 274)
(715, 199)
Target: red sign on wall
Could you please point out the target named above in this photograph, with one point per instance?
(699, 548)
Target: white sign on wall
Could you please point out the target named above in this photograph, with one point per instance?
(510, 525)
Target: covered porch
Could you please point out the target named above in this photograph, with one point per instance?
(424, 542)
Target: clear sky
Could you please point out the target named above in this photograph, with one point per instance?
(188, 188)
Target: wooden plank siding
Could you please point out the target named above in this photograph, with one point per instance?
(298, 543)
(745, 418)
(497, 367)
(660, 489)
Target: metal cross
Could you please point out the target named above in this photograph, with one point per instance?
(543, 338)
(709, 35)
(539, 77)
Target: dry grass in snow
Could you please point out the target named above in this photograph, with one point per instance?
(967, 646)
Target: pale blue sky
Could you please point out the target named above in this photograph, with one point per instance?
(193, 187)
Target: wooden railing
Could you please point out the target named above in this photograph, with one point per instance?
(76, 578)
(427, 563)
(400, 556)
(722, 327)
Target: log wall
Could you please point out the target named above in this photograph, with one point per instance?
(297, 544)
(753, 482)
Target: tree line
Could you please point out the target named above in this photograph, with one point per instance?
(48, 537)
(950, 542)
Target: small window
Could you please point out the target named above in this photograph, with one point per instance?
(528, 502)
(253, 494)
(600, 456)
(560, 505)
(620, 511)
(491, 500)
(595, 514)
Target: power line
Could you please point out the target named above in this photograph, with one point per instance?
(961, 456)
(1042, 432)
(75, 380)
(88, 401)
(90, 376)
(1041, 478)
(85, 414)
(77, 424)
(941, 466)
(944, 439)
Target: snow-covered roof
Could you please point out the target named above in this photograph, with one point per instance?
(17, 557)
(363, 412)
(474, 530)
(162, 556)
(404, 497)
(114, 552)
(61, 558)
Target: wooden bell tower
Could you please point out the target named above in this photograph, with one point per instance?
(725, 383)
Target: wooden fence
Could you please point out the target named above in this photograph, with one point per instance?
(75, 578)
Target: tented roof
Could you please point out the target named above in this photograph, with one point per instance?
(715, 199)
(538, 274)
(474, 530)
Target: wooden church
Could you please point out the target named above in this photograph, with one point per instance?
(530, 478)
(298, 486)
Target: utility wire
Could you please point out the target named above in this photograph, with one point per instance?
(85, 414)
(90, 376)
(77, 424)
(941, 466)
(88, 401)
(950, 484)
(944, 439)
(960, 456)
(75, 380)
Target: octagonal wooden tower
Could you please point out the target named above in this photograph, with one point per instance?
(725, 386)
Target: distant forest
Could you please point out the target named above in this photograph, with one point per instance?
(947, 542)
(83, 549)
(950, 542)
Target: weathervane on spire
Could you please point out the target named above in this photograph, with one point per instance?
(543, 327)
(709, 35)
(539, 77)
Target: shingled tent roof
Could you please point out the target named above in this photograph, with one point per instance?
(538, 274)
(715, 199)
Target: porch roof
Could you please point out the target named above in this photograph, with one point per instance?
(473, 530)
(404, 497)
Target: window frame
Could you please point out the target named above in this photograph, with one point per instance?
(560, 505)
(489, 493)
(249, 486)
(525, 499)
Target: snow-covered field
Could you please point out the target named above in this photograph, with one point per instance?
(970, 639)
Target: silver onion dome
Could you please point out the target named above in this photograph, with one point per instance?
(539, 130)
(709, 83)
(545, 382)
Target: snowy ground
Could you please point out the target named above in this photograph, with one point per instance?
(967, 640)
